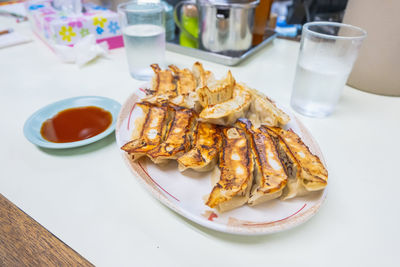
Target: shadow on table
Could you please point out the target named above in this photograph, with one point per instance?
(110, 139)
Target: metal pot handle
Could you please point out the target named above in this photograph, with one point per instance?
(178, 23)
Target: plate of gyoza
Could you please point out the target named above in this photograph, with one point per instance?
(220, 153)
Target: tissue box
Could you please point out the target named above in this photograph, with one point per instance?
(57, 27)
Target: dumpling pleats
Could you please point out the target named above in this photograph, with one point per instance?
(234, 171)
(177, 140)
(269, 175)
(206, 146)
(152, 129)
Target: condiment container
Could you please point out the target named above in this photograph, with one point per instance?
(224, 25)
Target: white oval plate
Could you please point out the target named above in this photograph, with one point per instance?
(34, 123)
(184, 192)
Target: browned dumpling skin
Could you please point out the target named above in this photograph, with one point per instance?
(185, 80)
(217, 92)
(312, 172)
(227, 112)
(294, 186)
(186, 85)
(269, 174)
(235, 171)
(206, 146)
(177, 140)
(163, 86)
(202, 76)
(263, 111)
(163, 82)
(152, 130)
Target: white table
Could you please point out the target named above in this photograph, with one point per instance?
(89, 199)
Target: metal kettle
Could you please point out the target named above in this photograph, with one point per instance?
(224, 25)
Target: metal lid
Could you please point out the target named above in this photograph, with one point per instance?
(230, 3)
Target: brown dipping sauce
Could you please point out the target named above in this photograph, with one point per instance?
(76, 124)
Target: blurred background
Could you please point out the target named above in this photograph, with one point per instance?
(376, 69)
(285, 16)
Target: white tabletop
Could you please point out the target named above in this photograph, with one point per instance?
(90, 200)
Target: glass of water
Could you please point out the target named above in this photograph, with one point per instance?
(144, 36)
(328, 51)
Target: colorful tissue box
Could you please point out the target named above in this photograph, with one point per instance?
(57, 27)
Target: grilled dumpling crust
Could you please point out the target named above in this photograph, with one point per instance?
(313, 174)
(177, 140)
(236, 171)
(217, 92)
(186, 89)
(206, 145)
(162, 85)
(264, 111)
(144, 108)
(153, 130)
(226, 113)
(294, 186)
(270, 176)
(185, 81)
(202, 76)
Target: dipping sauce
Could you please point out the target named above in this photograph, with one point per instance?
(76, 124)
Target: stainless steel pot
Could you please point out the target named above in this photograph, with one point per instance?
(224, 25)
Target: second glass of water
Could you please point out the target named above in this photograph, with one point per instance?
(328, 51)
(144, 36)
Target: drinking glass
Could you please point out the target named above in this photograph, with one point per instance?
(328, 51)
(144, 36)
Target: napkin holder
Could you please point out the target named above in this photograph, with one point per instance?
(59, 27)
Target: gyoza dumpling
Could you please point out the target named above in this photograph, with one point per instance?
(185, 80)
(163, 82)
(206, 145)
(178, 138)
(186, 85)
(149, 130)
(306, 171)
(217, 92)
(269, 174)
(202, 76)
(294, 185)
(226, 113)
(264, 111)
(234, 175)
(163, 85)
